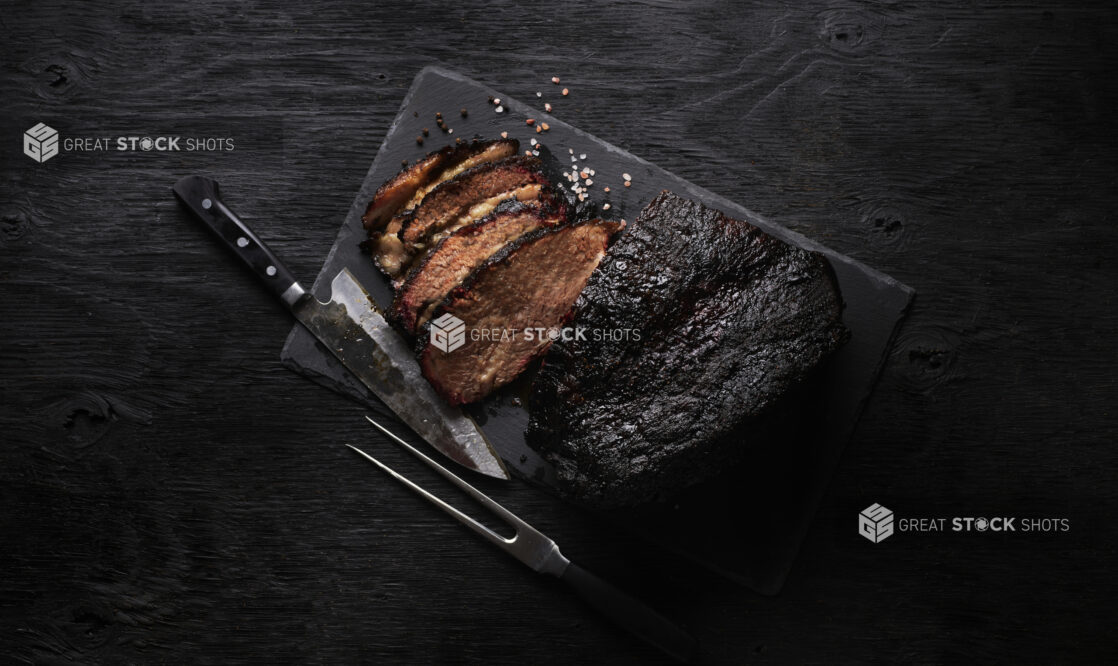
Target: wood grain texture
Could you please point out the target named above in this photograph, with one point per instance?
(172, 494)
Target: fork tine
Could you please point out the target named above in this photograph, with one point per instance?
(466, 520)
(536, 550)
(509, 517)
(529, 545)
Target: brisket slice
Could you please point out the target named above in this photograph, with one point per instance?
(456, 256)
(469, 196)
(729, 319)
(535, 194)
(449, 200)
(407, 188)
(530, 284)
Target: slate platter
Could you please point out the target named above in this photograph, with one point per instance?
(747, 525)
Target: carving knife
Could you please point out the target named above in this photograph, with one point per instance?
(352, 327)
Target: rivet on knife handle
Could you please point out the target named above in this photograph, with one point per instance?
(352, 328)
(203, 196)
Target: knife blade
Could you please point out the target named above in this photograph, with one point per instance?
(352, 327)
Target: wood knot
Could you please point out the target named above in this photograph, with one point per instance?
(60, 72)
(73, 368)
(84, 417)
(926, 358)
(883, 224)
(58, 75)
(14, 225)
(93, 621)
(849, 30)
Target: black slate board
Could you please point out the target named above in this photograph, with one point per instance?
(747, 525)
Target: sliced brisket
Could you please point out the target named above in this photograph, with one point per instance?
(536, 194)
(451, 199)
(404, 190)
(471, 195)
(727, 319)
(457, 255)
(527, 286)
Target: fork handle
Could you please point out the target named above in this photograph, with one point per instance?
(632, 615)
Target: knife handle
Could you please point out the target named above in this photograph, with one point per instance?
(203, 197)
(632, 615)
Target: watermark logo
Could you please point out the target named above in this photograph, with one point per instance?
(875, 523)
(43, 142)
(448, 333)
(40, 143)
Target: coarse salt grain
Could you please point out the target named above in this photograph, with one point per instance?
(504, 135)
(582, 156)
(500, 109)
(539, 94)
(534, 142)
(626, 176)
(496, 101)
(605, 206)
(605, 189)
(589, 182)
(628, 183)
(555, 79)
(547, 107)
(565, 92)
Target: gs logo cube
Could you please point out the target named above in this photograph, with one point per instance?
(40, 143)
(875, 523)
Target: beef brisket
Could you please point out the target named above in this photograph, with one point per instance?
(453, 259)
(469, 196)
(711, 322)
(509, 304)
(537, 194)
(407, 188)
(453, 198)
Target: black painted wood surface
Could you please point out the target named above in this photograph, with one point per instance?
(171, 493)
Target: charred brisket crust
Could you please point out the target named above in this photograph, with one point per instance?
(372, 221)
(438, 161)
(551, 198)
(461, 184)
(731, 321)
(464, 289)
